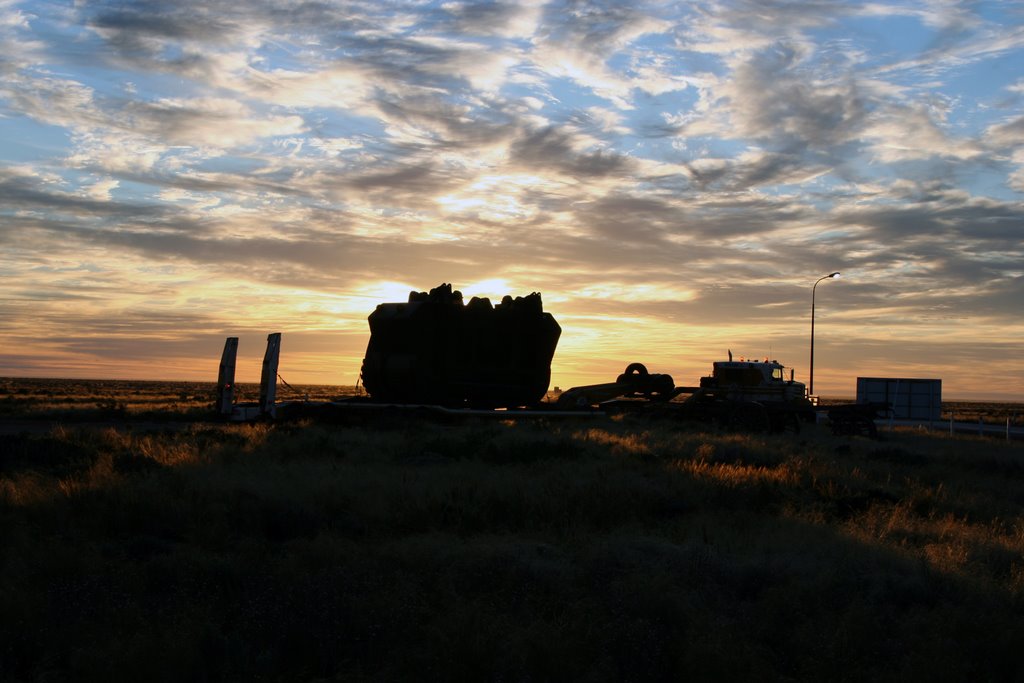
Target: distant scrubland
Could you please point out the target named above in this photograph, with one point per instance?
(88, 399)
(398, 548)
(83, 400)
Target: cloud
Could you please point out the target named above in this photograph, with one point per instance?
(579, 39)
(504, 19)
(734, 28)
(1007, 134)
(206, 122)
(774, 97)
(679, 169)
(1016, 179)
(136, 135)
(32, 193)
(54, 101)
(909, 133)
(557, 150)
(101, 189)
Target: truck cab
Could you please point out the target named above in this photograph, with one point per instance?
(763, 381)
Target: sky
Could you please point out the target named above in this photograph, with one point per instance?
(673, 177)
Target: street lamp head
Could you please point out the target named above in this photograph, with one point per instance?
(830, 276)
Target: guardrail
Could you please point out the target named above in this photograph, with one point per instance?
(1009, 431)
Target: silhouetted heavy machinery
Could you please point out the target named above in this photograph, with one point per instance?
(857, 418)
(436, 351)
(744, 395)
(267, 405)
(750, 395)
(634, 383)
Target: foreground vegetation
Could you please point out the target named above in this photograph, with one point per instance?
(403, 549)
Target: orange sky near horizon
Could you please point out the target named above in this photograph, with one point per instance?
(324, 338)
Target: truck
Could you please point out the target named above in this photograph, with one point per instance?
(744, 395)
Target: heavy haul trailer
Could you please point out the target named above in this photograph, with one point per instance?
(741, 395)
(436, 351)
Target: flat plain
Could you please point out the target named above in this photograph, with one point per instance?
(143, 540)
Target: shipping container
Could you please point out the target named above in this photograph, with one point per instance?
(910, 398)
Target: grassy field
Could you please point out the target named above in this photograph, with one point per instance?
(405, 549)
(83, 400)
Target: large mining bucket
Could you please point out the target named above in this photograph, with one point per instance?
(437, 350)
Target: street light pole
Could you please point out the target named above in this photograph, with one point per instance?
(810, 383)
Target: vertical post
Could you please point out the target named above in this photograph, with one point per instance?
(810, 375)
(895, 401)
(268, 380)
(226, 377)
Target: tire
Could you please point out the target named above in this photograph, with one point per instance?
(749, 417)
(636, 369)
(785, 422)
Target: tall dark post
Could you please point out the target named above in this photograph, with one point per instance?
(810, 381)
(268, 378)
(226, 377)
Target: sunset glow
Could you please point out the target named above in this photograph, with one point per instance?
(672, 177)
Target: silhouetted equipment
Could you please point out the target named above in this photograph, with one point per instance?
(438, 354)
(634, 382)
(435, 349)
(226, 377)
(267, 405)
(268, 378)
(857, 418)
(751, 396)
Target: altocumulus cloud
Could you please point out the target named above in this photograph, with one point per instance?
(673, 177)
